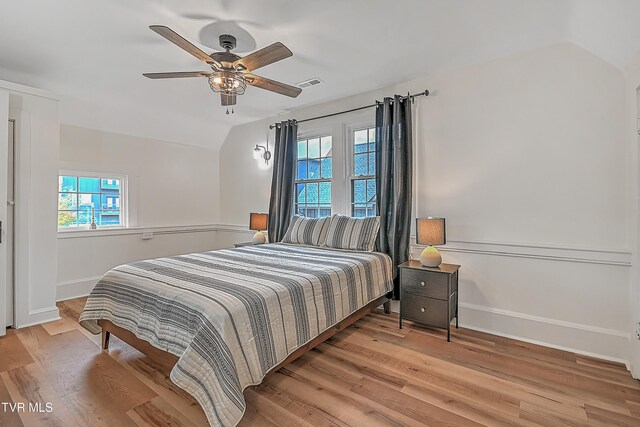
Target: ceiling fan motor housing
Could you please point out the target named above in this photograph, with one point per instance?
(227, 42)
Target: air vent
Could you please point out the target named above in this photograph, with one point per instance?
(311, 82)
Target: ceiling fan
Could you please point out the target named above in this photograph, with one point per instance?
(230, 73)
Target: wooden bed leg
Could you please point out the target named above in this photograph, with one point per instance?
(387, 307)
(105, 339)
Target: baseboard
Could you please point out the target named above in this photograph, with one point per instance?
(75, 288)
(42, 315)
(607, 344)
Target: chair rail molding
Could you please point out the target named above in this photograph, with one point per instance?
(617, 257)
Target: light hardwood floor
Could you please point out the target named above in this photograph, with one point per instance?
(372, 374)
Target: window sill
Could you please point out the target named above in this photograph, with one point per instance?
(85, 232)
(123, 231)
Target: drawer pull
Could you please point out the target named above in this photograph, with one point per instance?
(422, 309)
(422, 283)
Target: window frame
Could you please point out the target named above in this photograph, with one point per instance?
(306, 136)
(350, 163)
(124, 199)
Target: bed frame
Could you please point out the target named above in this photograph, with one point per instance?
(167, 360)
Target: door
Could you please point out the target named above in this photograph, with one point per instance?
(9, 234)
(4, 163)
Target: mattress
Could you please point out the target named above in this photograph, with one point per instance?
(232, 315)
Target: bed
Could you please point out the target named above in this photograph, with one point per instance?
(222, 320)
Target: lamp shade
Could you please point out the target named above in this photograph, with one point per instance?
(430, 231)
(258, 221)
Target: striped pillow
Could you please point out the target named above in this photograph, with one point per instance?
(357, 234)
(307, 231)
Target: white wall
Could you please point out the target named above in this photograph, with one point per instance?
(528, 159)
(173, 190)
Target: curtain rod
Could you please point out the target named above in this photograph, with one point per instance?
(409, 96)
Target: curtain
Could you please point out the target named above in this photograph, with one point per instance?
(282, 181)
(394, 160)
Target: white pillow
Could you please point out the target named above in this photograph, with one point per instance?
(357, 234)
(307, 231)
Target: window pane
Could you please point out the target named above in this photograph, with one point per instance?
(314, 148)
(87, 201)
(327, 167)
(110, 202)
(325, 193)
(67, 183)
(360, 137)
(84, 214)
(314, 162)
(88, 185)
(302, 149)
(108, 218)
(67, 201)
(372, 163)
(372, 135)
(325, 146)
(359, 191)
(359, 212)
(312, 192)
(314, 169)
(371, 190)
(310, 211)
(302, 169)
(360, 164)
(360, 148)
(300, 193)
(110, 184)
(67, 218)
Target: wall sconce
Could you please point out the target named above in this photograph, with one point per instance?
(258, 154)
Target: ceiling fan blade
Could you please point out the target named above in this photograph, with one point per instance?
(265, 56)
(272, 85)
(227, 99)
(177, 74)
(183, 43)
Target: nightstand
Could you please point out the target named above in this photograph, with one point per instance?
(239, 245)
(429, 295)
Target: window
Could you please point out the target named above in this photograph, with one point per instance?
(83, 195)
(363, 177)
(314, 170)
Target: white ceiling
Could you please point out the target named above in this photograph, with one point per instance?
(93, 52)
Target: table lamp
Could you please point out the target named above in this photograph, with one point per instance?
(258, 221)
(430, 231)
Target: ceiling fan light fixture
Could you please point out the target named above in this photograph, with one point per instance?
(227, 83)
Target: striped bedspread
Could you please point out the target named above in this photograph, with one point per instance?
(232, 315)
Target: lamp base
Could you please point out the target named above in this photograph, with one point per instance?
(430, 257)
(258, 238)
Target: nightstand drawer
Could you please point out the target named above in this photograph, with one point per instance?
(426, 283)
(424, 310)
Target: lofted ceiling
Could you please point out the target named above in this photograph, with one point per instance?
(93, 52)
